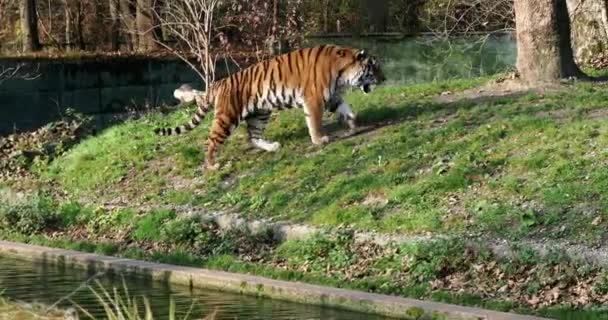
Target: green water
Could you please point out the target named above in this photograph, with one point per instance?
(426, 59)
(46, 283)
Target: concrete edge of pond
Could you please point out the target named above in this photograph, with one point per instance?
(253, 285)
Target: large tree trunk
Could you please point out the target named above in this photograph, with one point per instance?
(145, 26)
(589, 28)
(544, 49)
(29, 25)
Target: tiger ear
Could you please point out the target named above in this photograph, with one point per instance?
(362, 54)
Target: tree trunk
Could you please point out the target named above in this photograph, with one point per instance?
(145, 26)
(114, 25)
(377, 11)
(412, 15)
(80, 25)
(544, 50)
(325, 15)
(272, 41)
(589, 28)
(126, 16)
(29, 25)
(68, 26)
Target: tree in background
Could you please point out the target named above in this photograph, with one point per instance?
(589, 28)
(114, 6)
(378, 15)
(147, 37)
(462, 17)
(406, 14)
(249, 27)
(29, 25)
(544, 47)
(191, 24)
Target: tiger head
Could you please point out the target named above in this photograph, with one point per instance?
(364, 72)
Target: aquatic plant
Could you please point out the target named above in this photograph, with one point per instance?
(119, 306)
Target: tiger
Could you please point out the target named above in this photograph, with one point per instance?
(312, 79)
(185, 93)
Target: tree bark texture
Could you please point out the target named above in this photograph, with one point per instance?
(29, 25)
(145, 26)
(589, 28)
(128, 23)
(68, 25)
(114, 25)
(378, 14)
(544, 49)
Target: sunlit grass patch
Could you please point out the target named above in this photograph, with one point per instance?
(535, 160)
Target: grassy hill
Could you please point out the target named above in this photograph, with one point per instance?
(520, 167)
(527, 166)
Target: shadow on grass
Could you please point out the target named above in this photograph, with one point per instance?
(377, 117)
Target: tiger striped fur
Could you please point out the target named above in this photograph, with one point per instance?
(311, 79)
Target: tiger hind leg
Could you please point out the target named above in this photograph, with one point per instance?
(255, 128)
(221, 128)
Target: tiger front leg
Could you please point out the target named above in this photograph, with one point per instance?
(313, 110)
(346, 114)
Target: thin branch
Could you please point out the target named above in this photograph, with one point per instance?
(17, 72)
(190, 22)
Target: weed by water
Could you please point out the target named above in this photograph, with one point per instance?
(149, 227)
(30, 216)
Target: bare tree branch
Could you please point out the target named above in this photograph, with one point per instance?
(191, 24)
(18, 72)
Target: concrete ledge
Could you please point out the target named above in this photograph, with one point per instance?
(291, 291)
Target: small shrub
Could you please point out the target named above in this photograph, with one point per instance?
(107, 249)
(600, 286)
(134, 253)
(187, 231)
(73, 213)
(149, 227)
(435, 259)
(320, 251)
(29, 217)
(104, 221)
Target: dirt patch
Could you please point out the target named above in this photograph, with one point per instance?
(20, 151)
(558, 115)
(507, 87)
(598, 114)
(375, 199)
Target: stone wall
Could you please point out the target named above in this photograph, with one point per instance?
(96, 87)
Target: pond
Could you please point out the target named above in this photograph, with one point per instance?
(47, 283)
(425, 59)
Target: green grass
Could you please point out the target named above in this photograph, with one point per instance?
(521, 167)
(525, 166)
(402, 270)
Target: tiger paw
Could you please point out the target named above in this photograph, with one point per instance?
(351, 124)
(265, 145)
(321, 140)
(274, 146)
(212, 167)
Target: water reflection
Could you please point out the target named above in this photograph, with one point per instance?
(425, 59)
(45, 283)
